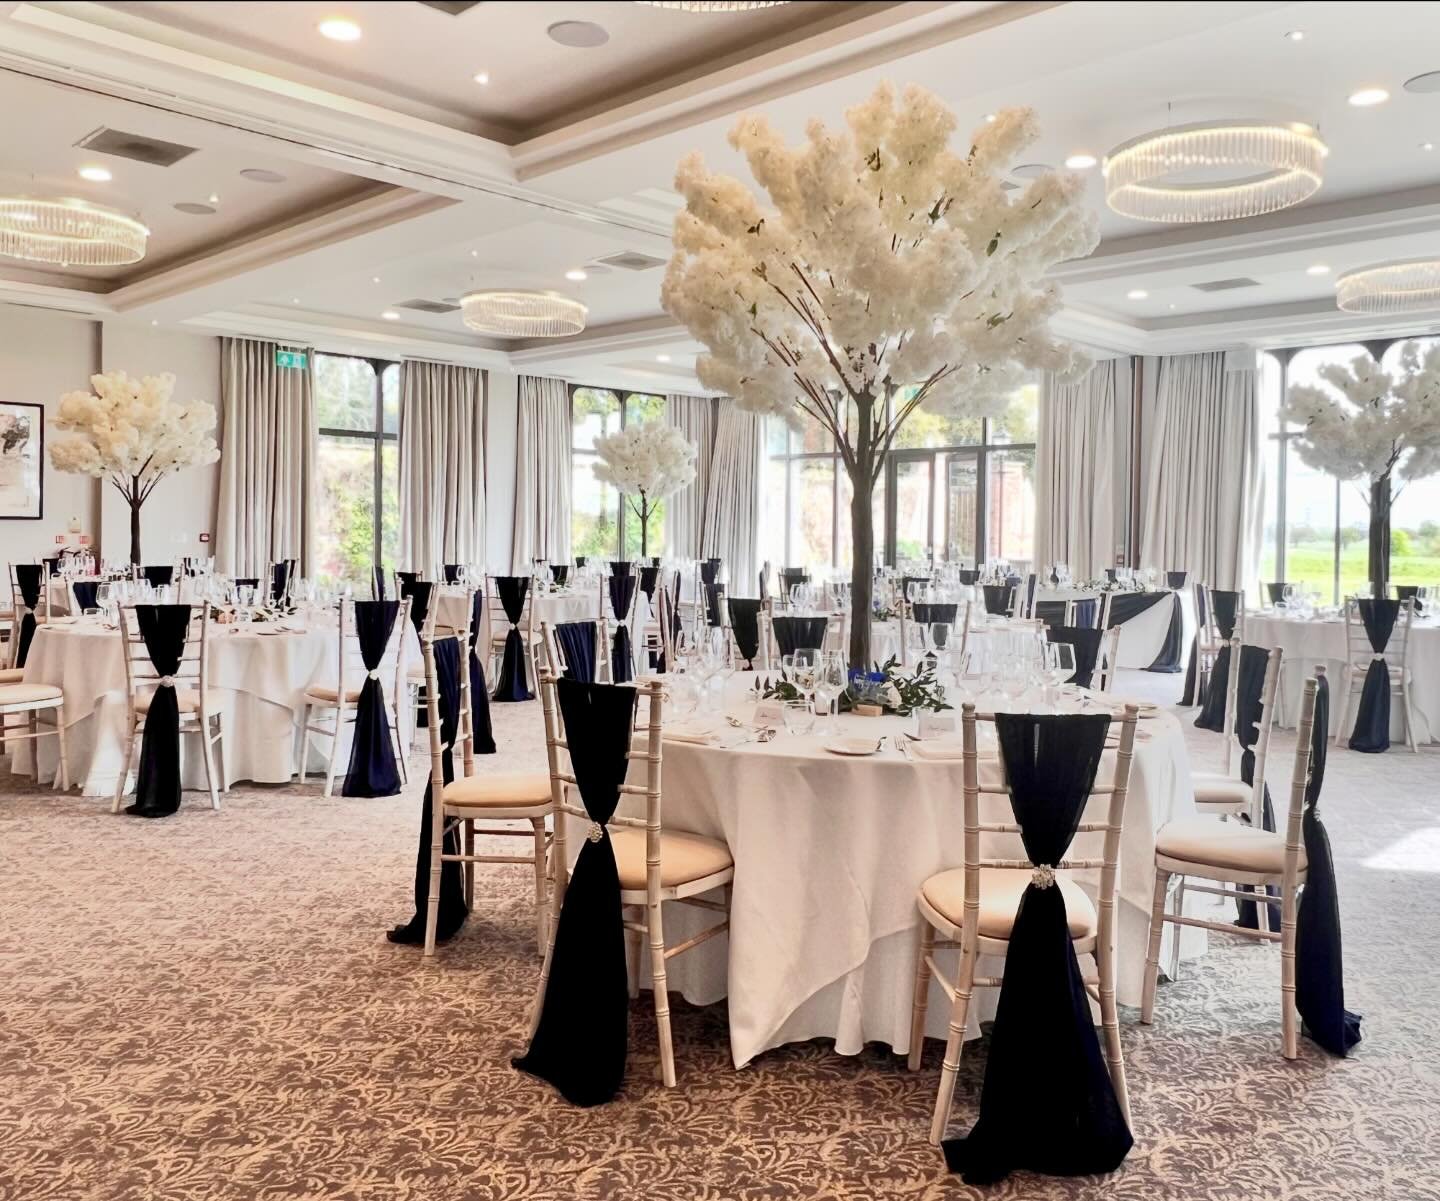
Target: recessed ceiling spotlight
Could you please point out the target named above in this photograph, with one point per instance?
(1136, 294)
(481, 77)
(95, 174)
(1368, 97)
(583, 35)
(1172, 306)
(1031, 170)
(390, 315)
(474, 254)
(153, 321)
(194, 208)
(294, 300)
(1317, 269)
(213, 198)
(989, 118)
(1296, 35)
(1427, 145)
(339, 29)
(577, 275)
(1080, 162)
(261, 175)
(1429, 82)
(662, 358)
(374, 279)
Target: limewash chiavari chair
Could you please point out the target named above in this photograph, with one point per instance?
(19, 610)
(199, 704)
(974, 907)
(654, 864)
(341, 700)
(610, 624)
(475, 804)
(1109, 663)
(1225, 792)
(465, 736)
(1359, 655)
(529, 627)
(1209, 637)
(556, 662)
(28, 701)
(1241, 861)
(834, 634)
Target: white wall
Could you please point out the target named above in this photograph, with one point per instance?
(43, 355)
(502, 416)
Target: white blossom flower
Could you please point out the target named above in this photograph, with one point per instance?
(649, 459)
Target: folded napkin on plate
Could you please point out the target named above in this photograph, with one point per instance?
(701, 734)
(938, 749)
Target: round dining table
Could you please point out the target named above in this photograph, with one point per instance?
(829, 853)
(260, 671)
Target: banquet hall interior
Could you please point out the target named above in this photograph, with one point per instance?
(719, 600)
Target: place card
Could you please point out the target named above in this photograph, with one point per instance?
(936, 725)
(769, 714)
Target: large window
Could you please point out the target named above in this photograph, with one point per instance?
(957, 488)
(357, 525)
(602, 522)
(1316, 530)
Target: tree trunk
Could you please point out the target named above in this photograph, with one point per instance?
(644, 527)
(862, 536)
(1380, 536)
(135, 533)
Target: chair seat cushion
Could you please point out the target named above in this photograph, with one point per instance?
(1000, 891)
(683, 857)
(1211, 788)
(328, 693)
(189, 699)
(1234, 845)
(11, 675)
(21, 694)
(499, 790)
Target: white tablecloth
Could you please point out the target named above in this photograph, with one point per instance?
(829, 852)
(1306, 643)
(1142, 637)
(261, 679)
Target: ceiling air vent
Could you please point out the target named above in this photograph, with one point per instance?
(453, 7)
(428, 306)
(1226, 285)
(632, 260)
(135, 146)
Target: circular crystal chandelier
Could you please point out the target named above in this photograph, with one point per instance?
(1409, 287)
(713, 6)
(73, 233)
(1144, 177)
(523, 314)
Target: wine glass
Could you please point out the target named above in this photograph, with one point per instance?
(807, 663)
(1059, 667)
(830, 681)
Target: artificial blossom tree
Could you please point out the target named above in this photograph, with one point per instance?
(130, 432)
(1374, 425)
(889, 273)
(646, 462)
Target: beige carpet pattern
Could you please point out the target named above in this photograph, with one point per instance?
(205, 1008)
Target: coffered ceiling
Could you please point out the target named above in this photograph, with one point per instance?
(404, 180)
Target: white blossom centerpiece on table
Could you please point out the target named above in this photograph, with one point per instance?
(132, 433)
(1366, 423)
(889, 272)
(646, 462)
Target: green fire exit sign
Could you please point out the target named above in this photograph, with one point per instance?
(290, 358)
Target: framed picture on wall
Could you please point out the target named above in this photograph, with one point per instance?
(22, 462)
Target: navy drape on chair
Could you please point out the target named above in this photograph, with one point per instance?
(798, 633)
(709, 570)
(377, 583)
(247, 581)
(745, 623)
(998, 597)
(85, 593)
(622, 594)
(481, 729)
(158, 576)
(163, 628)
(576, 640)
(929, 613)
(512, 685)
(789, 577)
(1275, 590)
(1110, 575)
(649, 580)
(580, 1042)
(420, 593)
(1226, 607)
(30, 577)
(452, 911)
(581, 560)
(560, 572)
(1372, 719)
(1249, 692)
(1319, 964)
(406, 578)
(1176, 579)
(280, 574)
(714, 598)
(1047, 1104)
(1086, 641)
(1052, 613)
(452, 572)
(373, 770)
(968, 577)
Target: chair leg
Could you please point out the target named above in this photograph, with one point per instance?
(124, 779)
(557, 890)
(633, 948)
(538, 825)
(924, 947)
(334, 750)
(655, 926)
(62, 773)
(1344, 707)
(1173, 974)
(304, 743)
(955, 1040)
(1152, 954)
(432, 900)
(469, 865)
(1409, 720)
(1110, 1025)
(208, 754)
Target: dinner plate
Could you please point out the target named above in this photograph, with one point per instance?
(853, 746)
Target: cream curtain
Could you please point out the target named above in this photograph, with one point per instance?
(267, 460)
(1203, 487)
(732, 502)
(442, 466)
(542, 473)
(1075, 473)
(693, 416)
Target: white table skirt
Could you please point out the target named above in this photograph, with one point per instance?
(1306, 643)
(261, 679)
(829, 854)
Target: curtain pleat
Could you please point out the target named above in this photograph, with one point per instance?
(1074, 472)
(542, 473)
(442, 465)
(693, 416)
(268, 439)
(732, 503)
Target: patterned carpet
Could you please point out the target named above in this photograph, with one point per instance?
(205, 1008)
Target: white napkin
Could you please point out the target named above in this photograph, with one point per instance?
(938, 749)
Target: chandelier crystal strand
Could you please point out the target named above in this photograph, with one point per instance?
(713, 6)
(523, 314)
(70, 232)
(1290, 159)
(1408, 287)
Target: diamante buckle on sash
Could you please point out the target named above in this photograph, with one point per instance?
(1043, 876)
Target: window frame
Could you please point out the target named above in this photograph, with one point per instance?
(624, 516)
(377, 436)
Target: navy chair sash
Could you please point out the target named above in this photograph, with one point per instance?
(30, 578)
(1319, 965)
(1086, 642)
(709, 570)
(789, 577)
(1275, 591)
(1047, 1104)
(1176, 579)
(581, 560)
(998, 597)
(799, 633)
(931, 613)
(714, 598)
(1226, 607)
(968, 577)
(373, 770)
(280, 576)
(482, 732)
(580, 1042)
(163, 628)
(1372, 719)
(159, 575)
(745, 624)
(377, 583)
(622, 594)
(86, 593)
(560, 572)
(576, 640)
(649, 580)
(452, 572)
(512, 684)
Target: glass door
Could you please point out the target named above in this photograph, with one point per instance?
(962, 506)
(910, 507)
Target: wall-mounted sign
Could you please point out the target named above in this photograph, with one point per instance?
(294, 359)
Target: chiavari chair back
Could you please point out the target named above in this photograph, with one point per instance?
(1360, 654)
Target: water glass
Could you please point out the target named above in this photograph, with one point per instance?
(797, 716)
